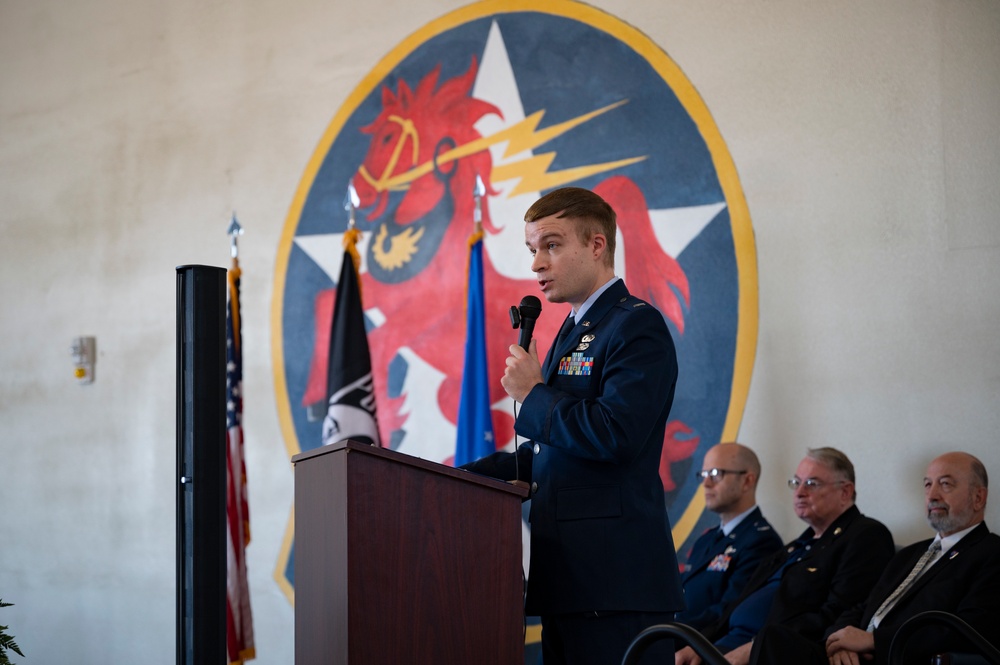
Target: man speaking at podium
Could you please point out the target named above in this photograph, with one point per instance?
(602, 565)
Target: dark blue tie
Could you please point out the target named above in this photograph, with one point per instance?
(567, 325)
(553, 355)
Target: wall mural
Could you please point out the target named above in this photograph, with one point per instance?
(530, 96)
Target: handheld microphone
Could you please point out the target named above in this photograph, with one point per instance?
(528, 311)
(523, 317)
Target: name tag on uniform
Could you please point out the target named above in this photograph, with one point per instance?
(576, 364)
(720, 564)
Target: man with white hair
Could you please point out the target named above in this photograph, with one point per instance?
(956, 571)
(807, 585)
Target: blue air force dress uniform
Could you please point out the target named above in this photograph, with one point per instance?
(720, 565)
(600, 540)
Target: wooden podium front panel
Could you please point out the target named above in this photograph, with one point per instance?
(426, 569)
(321, 627)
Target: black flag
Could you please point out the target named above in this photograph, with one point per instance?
(350, 395)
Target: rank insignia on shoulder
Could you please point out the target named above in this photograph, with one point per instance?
(639, 304)
(576, 364)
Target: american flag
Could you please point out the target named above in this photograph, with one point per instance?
(239, 621)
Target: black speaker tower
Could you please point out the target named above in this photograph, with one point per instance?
(201, 465)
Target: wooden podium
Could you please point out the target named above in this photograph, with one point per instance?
(402, 560)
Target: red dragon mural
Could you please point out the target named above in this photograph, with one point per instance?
(417, 180)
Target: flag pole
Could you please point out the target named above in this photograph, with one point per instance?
(351, 202)
(350, 391)
(352, 235)
(234, 231)
(477, 215)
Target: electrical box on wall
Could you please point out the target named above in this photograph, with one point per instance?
(84, 351)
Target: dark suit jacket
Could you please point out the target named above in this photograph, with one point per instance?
(720, 566)
(599, 533)
(836, 573)
(965, 582)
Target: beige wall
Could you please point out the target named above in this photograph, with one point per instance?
(865, 135)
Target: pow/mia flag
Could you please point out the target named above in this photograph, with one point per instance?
(350, 411)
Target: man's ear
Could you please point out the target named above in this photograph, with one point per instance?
(979, 498)
(598, 244)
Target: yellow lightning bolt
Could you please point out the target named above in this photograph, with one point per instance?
(535, 176)
(533, 171)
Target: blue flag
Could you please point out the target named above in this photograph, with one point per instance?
(475, 425)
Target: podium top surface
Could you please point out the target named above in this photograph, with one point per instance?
(349, 446)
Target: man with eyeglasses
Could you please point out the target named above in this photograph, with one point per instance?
(829, 568)
(724, 557)
(957, 571)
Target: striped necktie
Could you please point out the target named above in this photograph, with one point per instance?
(923, 562)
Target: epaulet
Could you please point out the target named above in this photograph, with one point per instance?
(631, 302)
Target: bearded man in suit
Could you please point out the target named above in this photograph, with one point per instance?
(957, 571)
(828, 569)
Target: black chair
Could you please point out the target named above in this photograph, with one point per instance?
(986, 654)
(709, 654)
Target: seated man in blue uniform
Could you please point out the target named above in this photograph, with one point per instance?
(957, 571)
(829, 568)
(724, 557)
(602, 565)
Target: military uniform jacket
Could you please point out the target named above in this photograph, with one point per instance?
(719, 566)
(836, 572)
(600, 540)
(964, 581)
